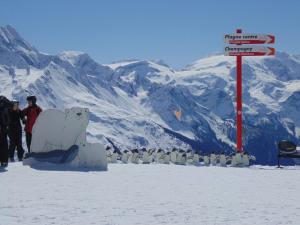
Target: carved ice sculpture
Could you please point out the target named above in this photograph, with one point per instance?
(57, 132)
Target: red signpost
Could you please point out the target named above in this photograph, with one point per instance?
(239, 104)
(238, 38)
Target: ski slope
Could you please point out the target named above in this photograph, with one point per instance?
(150, 194)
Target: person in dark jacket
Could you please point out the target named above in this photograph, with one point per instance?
(4, 123)
(15, 132)
(30, 114)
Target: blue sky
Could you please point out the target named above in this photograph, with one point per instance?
(178, 32)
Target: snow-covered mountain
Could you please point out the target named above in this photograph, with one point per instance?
(133, 102)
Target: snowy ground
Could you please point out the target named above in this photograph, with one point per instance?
(150, 195)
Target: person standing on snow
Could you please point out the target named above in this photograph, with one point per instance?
(15, 132)
(5, 105)
(31, 113)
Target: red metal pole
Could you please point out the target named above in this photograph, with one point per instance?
(239, 104)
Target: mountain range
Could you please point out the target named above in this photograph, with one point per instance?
(142, 103)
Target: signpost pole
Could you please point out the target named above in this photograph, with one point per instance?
(239, 104)
(244, 50)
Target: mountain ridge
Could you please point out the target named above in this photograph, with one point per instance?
(133, 103)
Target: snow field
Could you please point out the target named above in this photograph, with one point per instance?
(150, 194)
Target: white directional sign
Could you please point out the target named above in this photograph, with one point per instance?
(249, 39)
(249, 50)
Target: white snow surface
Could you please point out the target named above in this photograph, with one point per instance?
(150, 194)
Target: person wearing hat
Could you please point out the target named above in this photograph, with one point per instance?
(15, 132)
(31, 113)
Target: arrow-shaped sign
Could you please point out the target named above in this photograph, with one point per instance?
(249, 39)
(248, 50)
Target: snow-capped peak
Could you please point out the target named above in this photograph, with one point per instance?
(9, 33)
(72, 56)
(10, 38)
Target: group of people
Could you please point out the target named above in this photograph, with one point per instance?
(178, 156)
(11, 117)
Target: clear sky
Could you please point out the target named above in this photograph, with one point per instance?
(178, 32)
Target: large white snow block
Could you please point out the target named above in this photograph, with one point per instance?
(58, 130)
(55, 129)
(91, 156)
